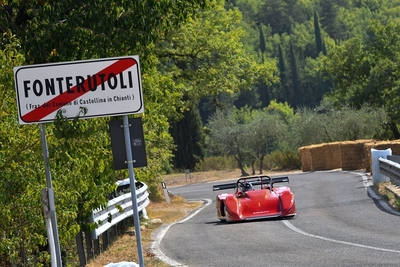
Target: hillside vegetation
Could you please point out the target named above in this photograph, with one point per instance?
(246, 80)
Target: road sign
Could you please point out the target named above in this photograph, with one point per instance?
(86, 88)
(137, 143)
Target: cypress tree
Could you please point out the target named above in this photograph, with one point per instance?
(262, 87)
(297, 97)
(263, 94)
(318, 37)
(282, 74)
(324, 49)
(263, 47)
(188, 138)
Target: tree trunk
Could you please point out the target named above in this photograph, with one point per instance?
(261, 163)
(240, 164)
(395, 130)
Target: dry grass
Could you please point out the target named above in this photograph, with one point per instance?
(178, 179)
(125, 248)
(388, 195)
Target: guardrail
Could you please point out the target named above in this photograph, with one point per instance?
(390, 167)
(120, 207)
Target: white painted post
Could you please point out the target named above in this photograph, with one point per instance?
(164, 186)
(377, 177)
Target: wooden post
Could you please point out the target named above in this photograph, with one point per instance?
(81, 249)
(89, 246)
(106, 239)
(96, 247)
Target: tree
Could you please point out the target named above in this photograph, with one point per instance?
(62, 31)
(228, 131)
(297, 97)
(263, 48)
(365, 71)
(280, 14)
(283, 75)
(327, 123)
(252, 97)
(208, 46)
(206, 58)
(189, 139)
(329, 13)
(265, 131)
(80, 157)
(262, 86)
(318, 37)
(275, 14)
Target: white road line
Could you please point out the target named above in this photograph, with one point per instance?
(179, 192)
(155, 246)
(367, 185)
(288, 224)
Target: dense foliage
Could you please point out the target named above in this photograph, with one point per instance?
(265, 76)
(80, 158)
(365, 70)
(339, 52)
(206, 58)
(251, 135)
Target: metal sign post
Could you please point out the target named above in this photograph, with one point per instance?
(51, 205)
(49, 228)
(133, 189)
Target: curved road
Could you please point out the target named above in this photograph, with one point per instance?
(339, 222)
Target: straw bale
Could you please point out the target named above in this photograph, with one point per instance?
(353, 154)
(305, 156)
(333, 156)
(393, 145)
(318, 161)
(380, 145)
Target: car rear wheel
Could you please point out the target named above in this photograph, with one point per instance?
(226, 214)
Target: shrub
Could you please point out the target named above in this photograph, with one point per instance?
(216, 163)
(286, 160)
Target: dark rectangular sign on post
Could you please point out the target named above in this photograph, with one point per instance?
(137, 143)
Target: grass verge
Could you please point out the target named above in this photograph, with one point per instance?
(388, 194)
(125, 247)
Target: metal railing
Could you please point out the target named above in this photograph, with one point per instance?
(118, 209)
(390, 167)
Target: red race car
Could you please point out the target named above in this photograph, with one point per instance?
(255, 197)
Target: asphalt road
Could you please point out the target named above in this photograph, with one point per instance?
(339, 222)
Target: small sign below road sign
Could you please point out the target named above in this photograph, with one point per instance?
(137, 143)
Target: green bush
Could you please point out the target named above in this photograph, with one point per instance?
(267, 165)
(286, 160)
(218, 163)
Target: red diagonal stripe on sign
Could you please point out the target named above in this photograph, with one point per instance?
(41, 112)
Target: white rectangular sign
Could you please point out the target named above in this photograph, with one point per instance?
(100, 87)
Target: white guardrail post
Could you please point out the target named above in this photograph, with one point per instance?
(119, 208)
(377, 176)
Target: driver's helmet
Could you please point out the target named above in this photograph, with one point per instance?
(247, 187)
